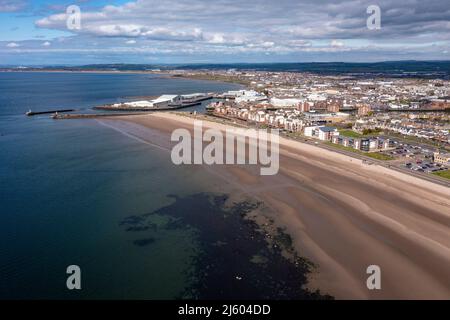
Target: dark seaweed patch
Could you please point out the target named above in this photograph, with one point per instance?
(237, 258)
(138, 228)
(144, 242)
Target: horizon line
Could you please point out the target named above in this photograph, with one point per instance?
(216, 63)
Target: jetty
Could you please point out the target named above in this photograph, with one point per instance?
(35, 113)
(124, 107)
(57, 116)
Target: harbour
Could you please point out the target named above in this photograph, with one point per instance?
(164, 102)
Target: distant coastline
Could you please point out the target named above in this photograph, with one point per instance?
(164, 74)
(413, 69)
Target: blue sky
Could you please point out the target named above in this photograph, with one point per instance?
(207, 31)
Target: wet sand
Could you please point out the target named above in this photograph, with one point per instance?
(342, 215)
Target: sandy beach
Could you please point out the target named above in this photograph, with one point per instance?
(342, 214)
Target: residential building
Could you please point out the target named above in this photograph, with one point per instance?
(442, 158)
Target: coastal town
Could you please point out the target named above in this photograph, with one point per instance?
(228, 158)
(404, 121)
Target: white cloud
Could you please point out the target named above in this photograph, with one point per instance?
(337, 43)
(13, 45)
(257, 26)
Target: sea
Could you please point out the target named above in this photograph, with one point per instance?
(76, 192)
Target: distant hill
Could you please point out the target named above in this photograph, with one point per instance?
(419, 69)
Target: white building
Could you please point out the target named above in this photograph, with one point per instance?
(194, 96)
(321, 132)
(167, 100)
(309, 131)
(250, 96)
(283, 103)
(136, 104)
(317, 97)
(326, 133)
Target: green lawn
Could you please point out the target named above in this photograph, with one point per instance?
(443, 174)
(378, 156)
(374, 155)
(350, 134)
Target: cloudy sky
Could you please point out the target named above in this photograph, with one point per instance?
(221, 31)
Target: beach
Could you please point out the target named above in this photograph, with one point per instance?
(342, 215)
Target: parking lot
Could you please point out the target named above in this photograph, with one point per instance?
(415, 157)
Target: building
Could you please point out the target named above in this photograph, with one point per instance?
(136, 104)
(250, 96)
(293, 125)
(333, 106)
(284, 103)
(195, 96)
(304, 107)
(442, 158)
(326, 133)
(323, 133)
(363, 144)
(364, 109)
(164, 101)
(310, 131)
(326, 117)
(167, 100)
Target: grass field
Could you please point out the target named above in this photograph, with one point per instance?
(443, 174)
(374, 155)
(350, 134)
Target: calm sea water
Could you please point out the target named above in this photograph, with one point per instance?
(65, 187)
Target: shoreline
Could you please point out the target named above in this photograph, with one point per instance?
(344, 216)
(165, 74)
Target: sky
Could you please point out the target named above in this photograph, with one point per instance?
(222, 31)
